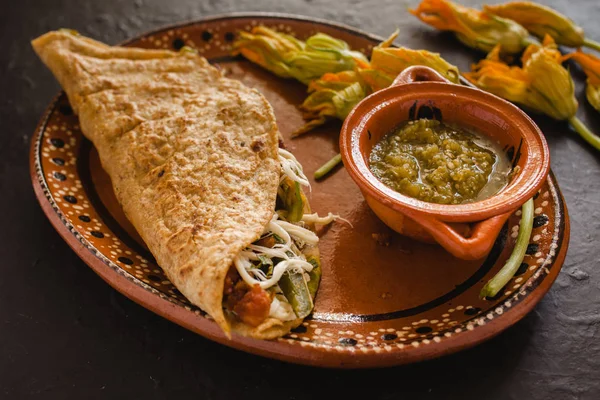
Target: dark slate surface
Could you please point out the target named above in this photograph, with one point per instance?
(65, 334)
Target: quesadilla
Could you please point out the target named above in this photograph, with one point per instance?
(196, 165)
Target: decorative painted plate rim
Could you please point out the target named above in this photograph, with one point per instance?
(508, 314)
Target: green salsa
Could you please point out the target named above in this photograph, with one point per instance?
(439, 163)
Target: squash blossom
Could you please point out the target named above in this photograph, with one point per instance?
(336, 94)
(268, 49)
(387, 62)
(289, 57)
(540, 21)
(542, 84)
(551, 88)
(333, 95)
(476, 29)
(591, 67)
(494, 76)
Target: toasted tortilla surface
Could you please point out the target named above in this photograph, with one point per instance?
(191, 154)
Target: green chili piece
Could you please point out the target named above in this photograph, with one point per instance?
(315, 277)
(266, 264)
(291, 197)
(294, 288)
(296, 208)
(278, 238)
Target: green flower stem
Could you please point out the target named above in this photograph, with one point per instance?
(328, 166)
(513, 263)
(584, 132)
(529, 41)
(592, 44)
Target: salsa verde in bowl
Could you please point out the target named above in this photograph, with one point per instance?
(439, 163)
(465, 229)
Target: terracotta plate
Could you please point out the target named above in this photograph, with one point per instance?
(384, 299)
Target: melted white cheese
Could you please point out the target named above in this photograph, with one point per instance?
(281, 309)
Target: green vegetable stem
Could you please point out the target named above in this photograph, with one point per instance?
(516, 258)
(328, 167)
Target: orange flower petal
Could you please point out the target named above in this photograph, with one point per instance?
(589, 63)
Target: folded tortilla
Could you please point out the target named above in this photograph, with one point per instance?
(193, 157)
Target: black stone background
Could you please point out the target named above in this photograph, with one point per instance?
(65, 334)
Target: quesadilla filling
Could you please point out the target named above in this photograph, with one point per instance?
(276, 276)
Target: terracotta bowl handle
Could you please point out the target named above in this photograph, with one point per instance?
(476, 246)
(418, 73)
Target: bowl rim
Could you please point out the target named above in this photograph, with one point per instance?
(523, 186)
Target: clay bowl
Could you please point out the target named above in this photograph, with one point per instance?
(467, 231)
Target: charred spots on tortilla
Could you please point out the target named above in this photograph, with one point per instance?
(242, 144)
(161, 173)
(227, 115)
(257, 145)
(185, 271)
(197, 228)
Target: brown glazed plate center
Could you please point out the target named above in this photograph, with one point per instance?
(384, 299)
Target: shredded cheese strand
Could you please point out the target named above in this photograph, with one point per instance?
(285, 230)
(292, 168)
(252, 275)
(269, 252)
(307, 236)
(315, 219)
(278, 230)
(244, 267)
